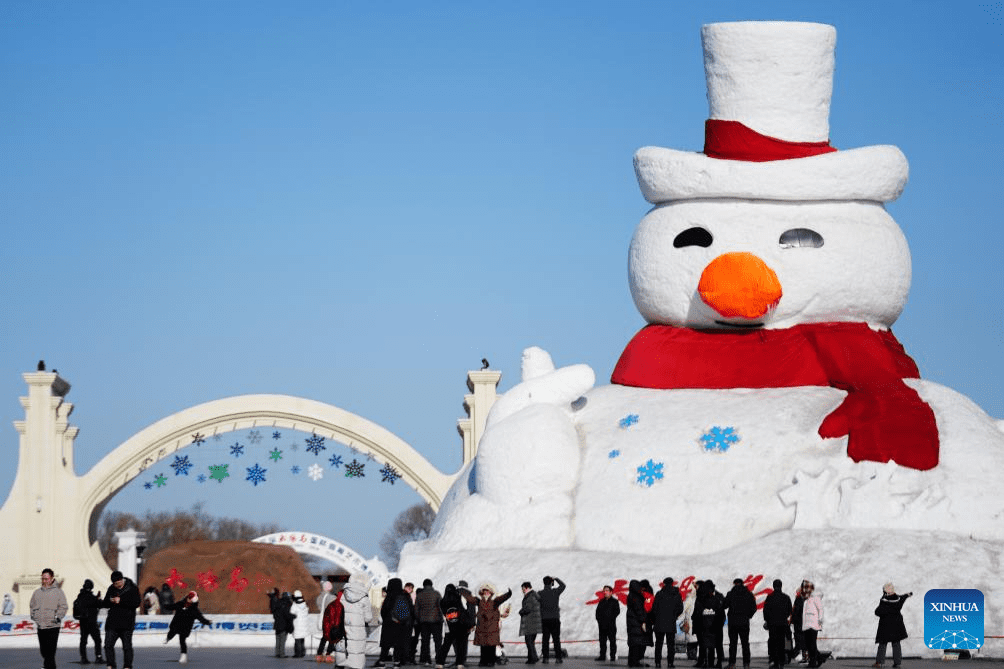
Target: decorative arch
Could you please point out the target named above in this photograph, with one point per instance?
(173, 433)
(314, 544)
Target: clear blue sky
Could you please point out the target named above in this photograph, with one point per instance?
(209, 199)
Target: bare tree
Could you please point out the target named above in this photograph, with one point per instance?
(168, 528)
(412, 524)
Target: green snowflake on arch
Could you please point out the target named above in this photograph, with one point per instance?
(160, 480)
(219, 472)
(275, 454)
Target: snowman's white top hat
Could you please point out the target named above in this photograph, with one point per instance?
(767, 138)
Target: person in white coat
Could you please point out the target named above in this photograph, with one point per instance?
(300, 625)
(358, 615)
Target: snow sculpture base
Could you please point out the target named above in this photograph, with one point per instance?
(848, 566)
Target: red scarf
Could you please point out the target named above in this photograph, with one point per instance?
(883, 418)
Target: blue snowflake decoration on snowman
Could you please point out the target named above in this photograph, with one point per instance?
(181, 465)
(614, 454)
(719, 439)
(256, 474)
(627, 421)
(315, 444)
(649, 473)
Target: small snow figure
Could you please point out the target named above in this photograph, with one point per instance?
(335, 461)
(315, 444)
(219, 472)
(354, 469)
(719, 439)
(389, 474)
(256, 474)
(160, 480)
(275, 455)
(198, 439)
(254, 436)
(315, 472)
(649, 473)
(237, 450)
(628, 421)
(181, 465)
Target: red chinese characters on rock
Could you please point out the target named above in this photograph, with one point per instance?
(175, 580)
(207, 581)
(620, 589)
(237, 582)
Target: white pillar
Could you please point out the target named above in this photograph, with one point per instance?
(478, 403)
(129, 541)
(38, 508)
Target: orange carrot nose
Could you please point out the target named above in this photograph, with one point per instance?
(739, 285)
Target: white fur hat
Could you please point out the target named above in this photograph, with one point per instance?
(769, 87)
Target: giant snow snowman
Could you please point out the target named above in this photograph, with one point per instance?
(766, 418)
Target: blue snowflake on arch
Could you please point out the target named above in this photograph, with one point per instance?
(198, 439)
(389, 474)
(277, 435)
(201, 478)
(315, 444)
(181, 465)
(355, 469)
(237, 450)
(335, 461)
(256, 474)
(254, 436)
(294, 470)
(649, 473)
(719, 439)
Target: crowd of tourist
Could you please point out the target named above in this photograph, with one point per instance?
(412, 622)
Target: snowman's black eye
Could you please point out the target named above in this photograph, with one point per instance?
(800, 237)
(693, 237)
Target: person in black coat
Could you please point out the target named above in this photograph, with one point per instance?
(637, 635)
(891, 628)
(607, 610)
(776, 613)
(396, 616)
(550, 618)
(666, 608)
(741, 605)
(186, 612)
(713, 614)
(121, 599)
(85, 610)
(797, 607)
(697, 624)
(280, 606)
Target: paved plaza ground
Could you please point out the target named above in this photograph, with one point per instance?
(246, 658)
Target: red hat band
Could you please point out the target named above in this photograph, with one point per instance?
(731, 140)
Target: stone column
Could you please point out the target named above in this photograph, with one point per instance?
(129, 542)
(478, 403)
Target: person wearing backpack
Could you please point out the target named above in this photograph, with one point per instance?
(85, 611)
(396, 616)
(457, 604)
